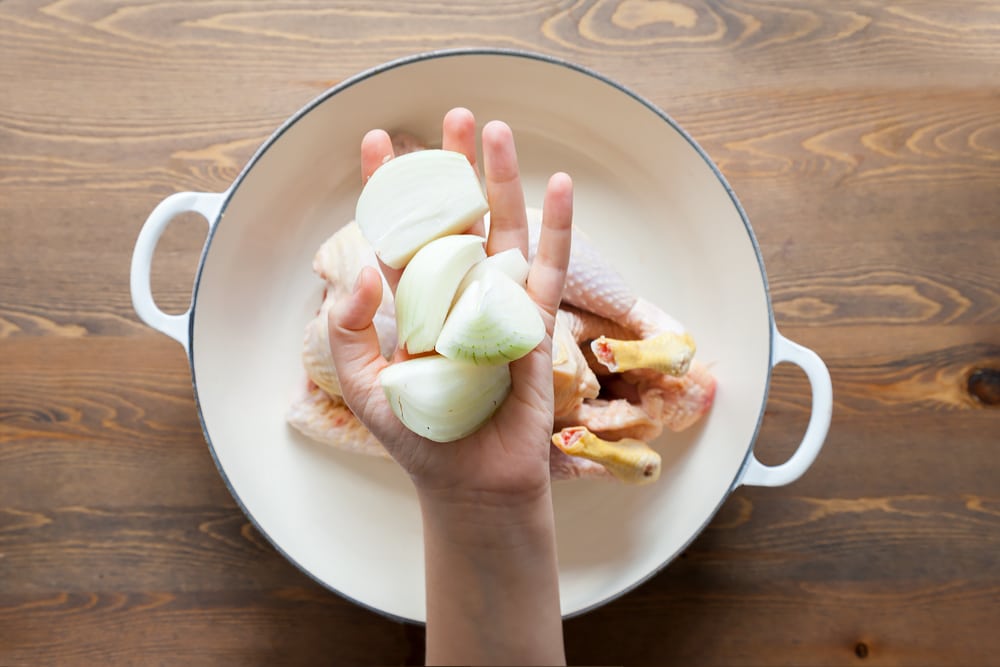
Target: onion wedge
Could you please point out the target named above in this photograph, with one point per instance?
(494, 321)
(428, 286)
(510, 262)
(443, 399)
(416, 198)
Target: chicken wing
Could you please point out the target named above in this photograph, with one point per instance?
(339, 261)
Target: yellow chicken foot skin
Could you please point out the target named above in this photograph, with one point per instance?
(632, 461)
(667, 352)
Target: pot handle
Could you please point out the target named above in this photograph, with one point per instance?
(208, 205)
(758, 474)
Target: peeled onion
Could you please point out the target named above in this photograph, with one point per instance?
(416, 198)
(428, 286)
(443, 399)
(494, 321)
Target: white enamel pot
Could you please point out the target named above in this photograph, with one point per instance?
(645, 193)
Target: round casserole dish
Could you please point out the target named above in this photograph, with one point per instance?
(646, 194)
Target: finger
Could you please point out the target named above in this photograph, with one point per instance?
(376, 150)
(548, 269)
(459, 135)
(508, 224)
(354, 343)
(358, 359)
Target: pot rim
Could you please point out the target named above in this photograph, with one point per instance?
(448, 53)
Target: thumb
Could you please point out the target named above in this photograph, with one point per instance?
(354, 343)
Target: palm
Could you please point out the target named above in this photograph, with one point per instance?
(509, 454)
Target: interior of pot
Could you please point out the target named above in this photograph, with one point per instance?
(643, 194)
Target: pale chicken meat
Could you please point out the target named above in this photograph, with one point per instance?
(614, 419)
(638, 403)
(623, 369)
(327, 419)
(573, 380)
(338, 262)
(675, 390)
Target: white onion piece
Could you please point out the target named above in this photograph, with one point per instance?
(416, 198)
(428, 286)
(510, 261)
(443, 399)
(494, 321)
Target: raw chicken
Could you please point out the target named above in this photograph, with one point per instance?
(638, 403)
(607, 307)
(622, 368)
(630, 460)
(325, 418)
(592, 285)
(613, 418)
(320, 413)
(339, 261)
(572, 378)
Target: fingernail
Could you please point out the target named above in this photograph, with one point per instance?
(358, 280)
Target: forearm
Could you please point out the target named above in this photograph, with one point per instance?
(492, 581)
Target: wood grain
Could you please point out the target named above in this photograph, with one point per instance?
(289, 626)
(863, 140)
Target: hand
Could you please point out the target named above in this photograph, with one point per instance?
(508, 458)
(488, 523)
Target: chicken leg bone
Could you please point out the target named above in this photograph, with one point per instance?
(632, 461)
(595, 286)
(666, 352)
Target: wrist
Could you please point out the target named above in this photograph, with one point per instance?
(488, 520)
(492, 579)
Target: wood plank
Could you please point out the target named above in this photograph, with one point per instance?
(902, 284)
(82, 419)
(79, 549)
(777, 624)
(283, 626)
(747, 622)
(784, 42)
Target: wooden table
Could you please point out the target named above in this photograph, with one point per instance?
(863, 139)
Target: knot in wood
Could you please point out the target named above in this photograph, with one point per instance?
(984, 385)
